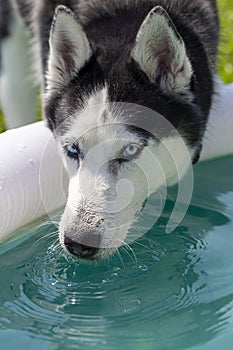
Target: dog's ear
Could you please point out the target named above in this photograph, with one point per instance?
(69, 49)
(160, 52)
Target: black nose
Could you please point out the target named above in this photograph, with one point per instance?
(80, 250)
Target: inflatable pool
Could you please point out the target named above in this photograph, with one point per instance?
(33, 182)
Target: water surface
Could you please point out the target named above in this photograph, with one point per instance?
(174, 291)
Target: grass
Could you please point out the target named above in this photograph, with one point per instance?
(226, 42)
(225, 48)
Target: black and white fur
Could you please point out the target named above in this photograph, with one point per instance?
(96, 55)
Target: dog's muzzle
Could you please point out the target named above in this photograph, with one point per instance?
(79, 250)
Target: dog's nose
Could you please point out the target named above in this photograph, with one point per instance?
(79, 250)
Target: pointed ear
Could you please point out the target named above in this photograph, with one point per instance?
(160, 52)
(69, 49)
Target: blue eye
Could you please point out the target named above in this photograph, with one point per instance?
(73, 151)
(132, 150)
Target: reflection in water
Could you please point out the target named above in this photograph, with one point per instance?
(174, 292)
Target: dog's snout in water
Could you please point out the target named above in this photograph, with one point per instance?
(79, 250)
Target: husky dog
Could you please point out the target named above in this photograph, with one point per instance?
(105, 66)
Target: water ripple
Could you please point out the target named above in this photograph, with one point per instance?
(169, 288)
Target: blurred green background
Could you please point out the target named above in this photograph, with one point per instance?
(225, 66)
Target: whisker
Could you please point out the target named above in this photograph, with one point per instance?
(120, 258)
(48, 222)
(134, 254)
(45, 237)
(143, 246)
(56, 244)
(62, 251)
(125, 246)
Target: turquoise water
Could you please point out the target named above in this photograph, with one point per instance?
(174, 292)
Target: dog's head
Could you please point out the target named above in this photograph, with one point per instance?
(125, 122)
